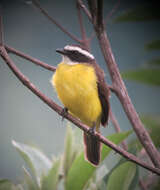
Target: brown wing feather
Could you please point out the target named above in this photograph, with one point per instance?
(103, 92)
(105, 104)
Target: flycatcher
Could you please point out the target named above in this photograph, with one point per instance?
(80, 86)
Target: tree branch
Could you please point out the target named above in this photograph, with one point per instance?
(44, 12)
(58, 109)
(29, 58)
(93, 10)
(112, 11)
(125, 100)
(85, 10)
(99, 13)
(38, 62)
(117, 128)
(106, 19)
(84, 40)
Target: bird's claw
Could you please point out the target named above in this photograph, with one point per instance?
(64, 112)
(92, 129)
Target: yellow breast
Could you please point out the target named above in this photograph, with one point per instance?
(76, 86)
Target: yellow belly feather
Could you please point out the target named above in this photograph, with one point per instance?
(76, 86)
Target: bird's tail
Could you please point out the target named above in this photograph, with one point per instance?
(92, 149)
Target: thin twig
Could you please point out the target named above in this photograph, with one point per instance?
(84, 40)
(58, 109)
(84, 8)
(93, 10)
(99, 13)
(117, 128)
(29, 58)
(115, 7)
(44, 12)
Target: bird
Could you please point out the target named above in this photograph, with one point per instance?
(80, 85)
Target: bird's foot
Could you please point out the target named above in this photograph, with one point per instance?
(64, 112)
(92, 129)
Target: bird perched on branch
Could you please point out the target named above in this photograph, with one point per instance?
(80, 86)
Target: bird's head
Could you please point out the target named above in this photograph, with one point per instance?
(74, 54)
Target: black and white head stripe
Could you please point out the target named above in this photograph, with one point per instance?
(76, 54)
(79, 50)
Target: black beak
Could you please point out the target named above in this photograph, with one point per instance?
(61, 51)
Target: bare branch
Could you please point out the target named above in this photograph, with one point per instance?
(84, 8)
(106, 19)
(100, 13)
(44, 12)
(26, 81)
(84, 41)
(125, 100)
(93, 10)
(29, 58)
(111, 88)
(115, 7)
(58, 109)
(117, 128)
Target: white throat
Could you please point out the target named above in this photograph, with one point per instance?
(67, 61)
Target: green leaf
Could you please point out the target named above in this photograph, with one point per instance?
(29, 181)
(38, 163)
(121, 161)
(145, 12)
(116, 138)
(156, 186)
(81, 170)
(154, 45)
(121, 178)
(69, 151)
(135, 143)
(50, 181)
(152, 123)
(135, 180)
(155, 61)
(101, 172)
(147, 76)
(5, 184)
(19, 187)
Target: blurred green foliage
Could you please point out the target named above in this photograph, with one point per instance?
(154, 45)
(143, 12)
(70, 170)
(148, 76)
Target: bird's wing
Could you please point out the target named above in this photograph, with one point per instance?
(103, 92)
